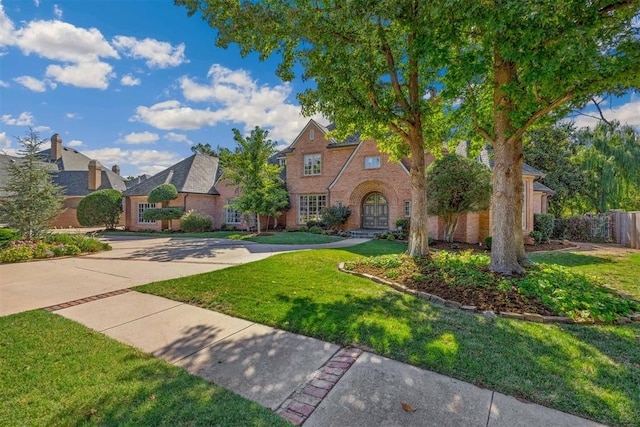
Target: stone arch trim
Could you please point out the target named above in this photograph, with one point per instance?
(367, 187)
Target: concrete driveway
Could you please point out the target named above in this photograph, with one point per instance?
(132, 262)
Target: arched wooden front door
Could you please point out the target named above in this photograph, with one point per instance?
(375, 211)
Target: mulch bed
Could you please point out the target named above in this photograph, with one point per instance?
(484, 298)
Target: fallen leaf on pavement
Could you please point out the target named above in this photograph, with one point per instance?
(408, 407)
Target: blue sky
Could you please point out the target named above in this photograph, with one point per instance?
(137, 82)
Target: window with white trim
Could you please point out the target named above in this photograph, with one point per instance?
(143, 207)
(312, 134)
(310, 207)
(372, 162)
(407, 208)
(231, 215)
(312, 164)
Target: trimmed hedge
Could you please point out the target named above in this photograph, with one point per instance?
(163, 193)
(162, 214)
(543, 223)
(195, 222)
(102, 207)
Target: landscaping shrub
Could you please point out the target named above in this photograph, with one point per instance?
(162, 214)
(577, 228)
(291, 229)
(195, 222)
(163, 193)
(102, 207)
(335, 216)
(16, 252)
(543, 223)
(315, 229)
(559, 228)
(538, 236)
(71, 250)
(403, 223)
(7, 235)
(303, 228)
(488, 241)
(313, 223)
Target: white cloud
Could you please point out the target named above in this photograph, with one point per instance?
(24, 119)
(628, 113)
(31, 83)
(71, 116)
(157, 54)
(36, 3)
(6, 29)
(140, 138)
(233, 96)
(4, 84)
(129, 80)
(4, 141)
(145, 161)
(74, 143)
(177, 137)
(57, 11)
(84, 74)
(62, 41)
(41, 128)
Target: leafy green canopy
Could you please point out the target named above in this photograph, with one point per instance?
(457, 185)
(376, 66)
(102, 207)
(262, 191)
(33, 198)
(163, 193)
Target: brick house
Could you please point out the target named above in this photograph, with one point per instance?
(322, 172)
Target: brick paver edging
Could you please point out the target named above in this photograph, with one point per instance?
(302, 402)
(530, 317)
(86, 300)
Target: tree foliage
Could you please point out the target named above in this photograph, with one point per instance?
(457, 185)
(335, 216)
(33, 198)
(552, 149)
(376, 65)
(102, 207)
(519, 61)
(261, 190)
(163, 193)
(162, 214)
(206, 149)
(610, 159)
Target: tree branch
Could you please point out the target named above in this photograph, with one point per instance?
(393, 71)
(540, 113)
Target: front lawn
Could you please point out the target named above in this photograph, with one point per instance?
(291, 238)
(592, 371)
(56, 372)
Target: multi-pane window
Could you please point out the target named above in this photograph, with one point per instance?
(231, 215)
(310, 207)
(372, 162)
(407, 208)
(143, 207)
(312, 164)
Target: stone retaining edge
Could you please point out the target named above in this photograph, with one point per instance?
(528, 317)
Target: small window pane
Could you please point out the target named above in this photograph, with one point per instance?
(372, 162)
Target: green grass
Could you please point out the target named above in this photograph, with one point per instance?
(592, 371)
(619, 271)
(293, 238)
(57, 372)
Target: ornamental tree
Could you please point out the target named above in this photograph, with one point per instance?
(33, 198)
(376, 68)
(261, 190)
(163, 194)
(102, 207)
(519, 62)
(457, 185)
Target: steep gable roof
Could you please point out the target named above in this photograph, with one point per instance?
(76, 183)
(486, 159)
(195, 174)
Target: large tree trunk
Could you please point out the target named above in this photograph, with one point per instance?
(507, 178)
(419, 229)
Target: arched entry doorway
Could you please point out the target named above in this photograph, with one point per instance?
(375, 211)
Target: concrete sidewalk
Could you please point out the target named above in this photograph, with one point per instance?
(306, 380)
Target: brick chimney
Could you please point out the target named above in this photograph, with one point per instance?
(56, 147)
(95, 175)
(115, 169)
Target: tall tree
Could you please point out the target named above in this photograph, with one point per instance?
(376, 66)
(34, 199)
(261, 190)
(609, 159)
(552, 150)
(201, 148)
(519, 61)
(457, 185)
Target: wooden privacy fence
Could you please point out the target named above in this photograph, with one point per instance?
(625, 228)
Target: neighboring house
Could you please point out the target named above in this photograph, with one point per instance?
(322, 172)
(79, 176)
(197, 180)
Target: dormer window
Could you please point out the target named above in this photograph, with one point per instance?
(312, 134)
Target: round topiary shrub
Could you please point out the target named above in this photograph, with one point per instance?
(163, 193)
(102, 207)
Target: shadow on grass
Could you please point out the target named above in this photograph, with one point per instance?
(570, 259)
